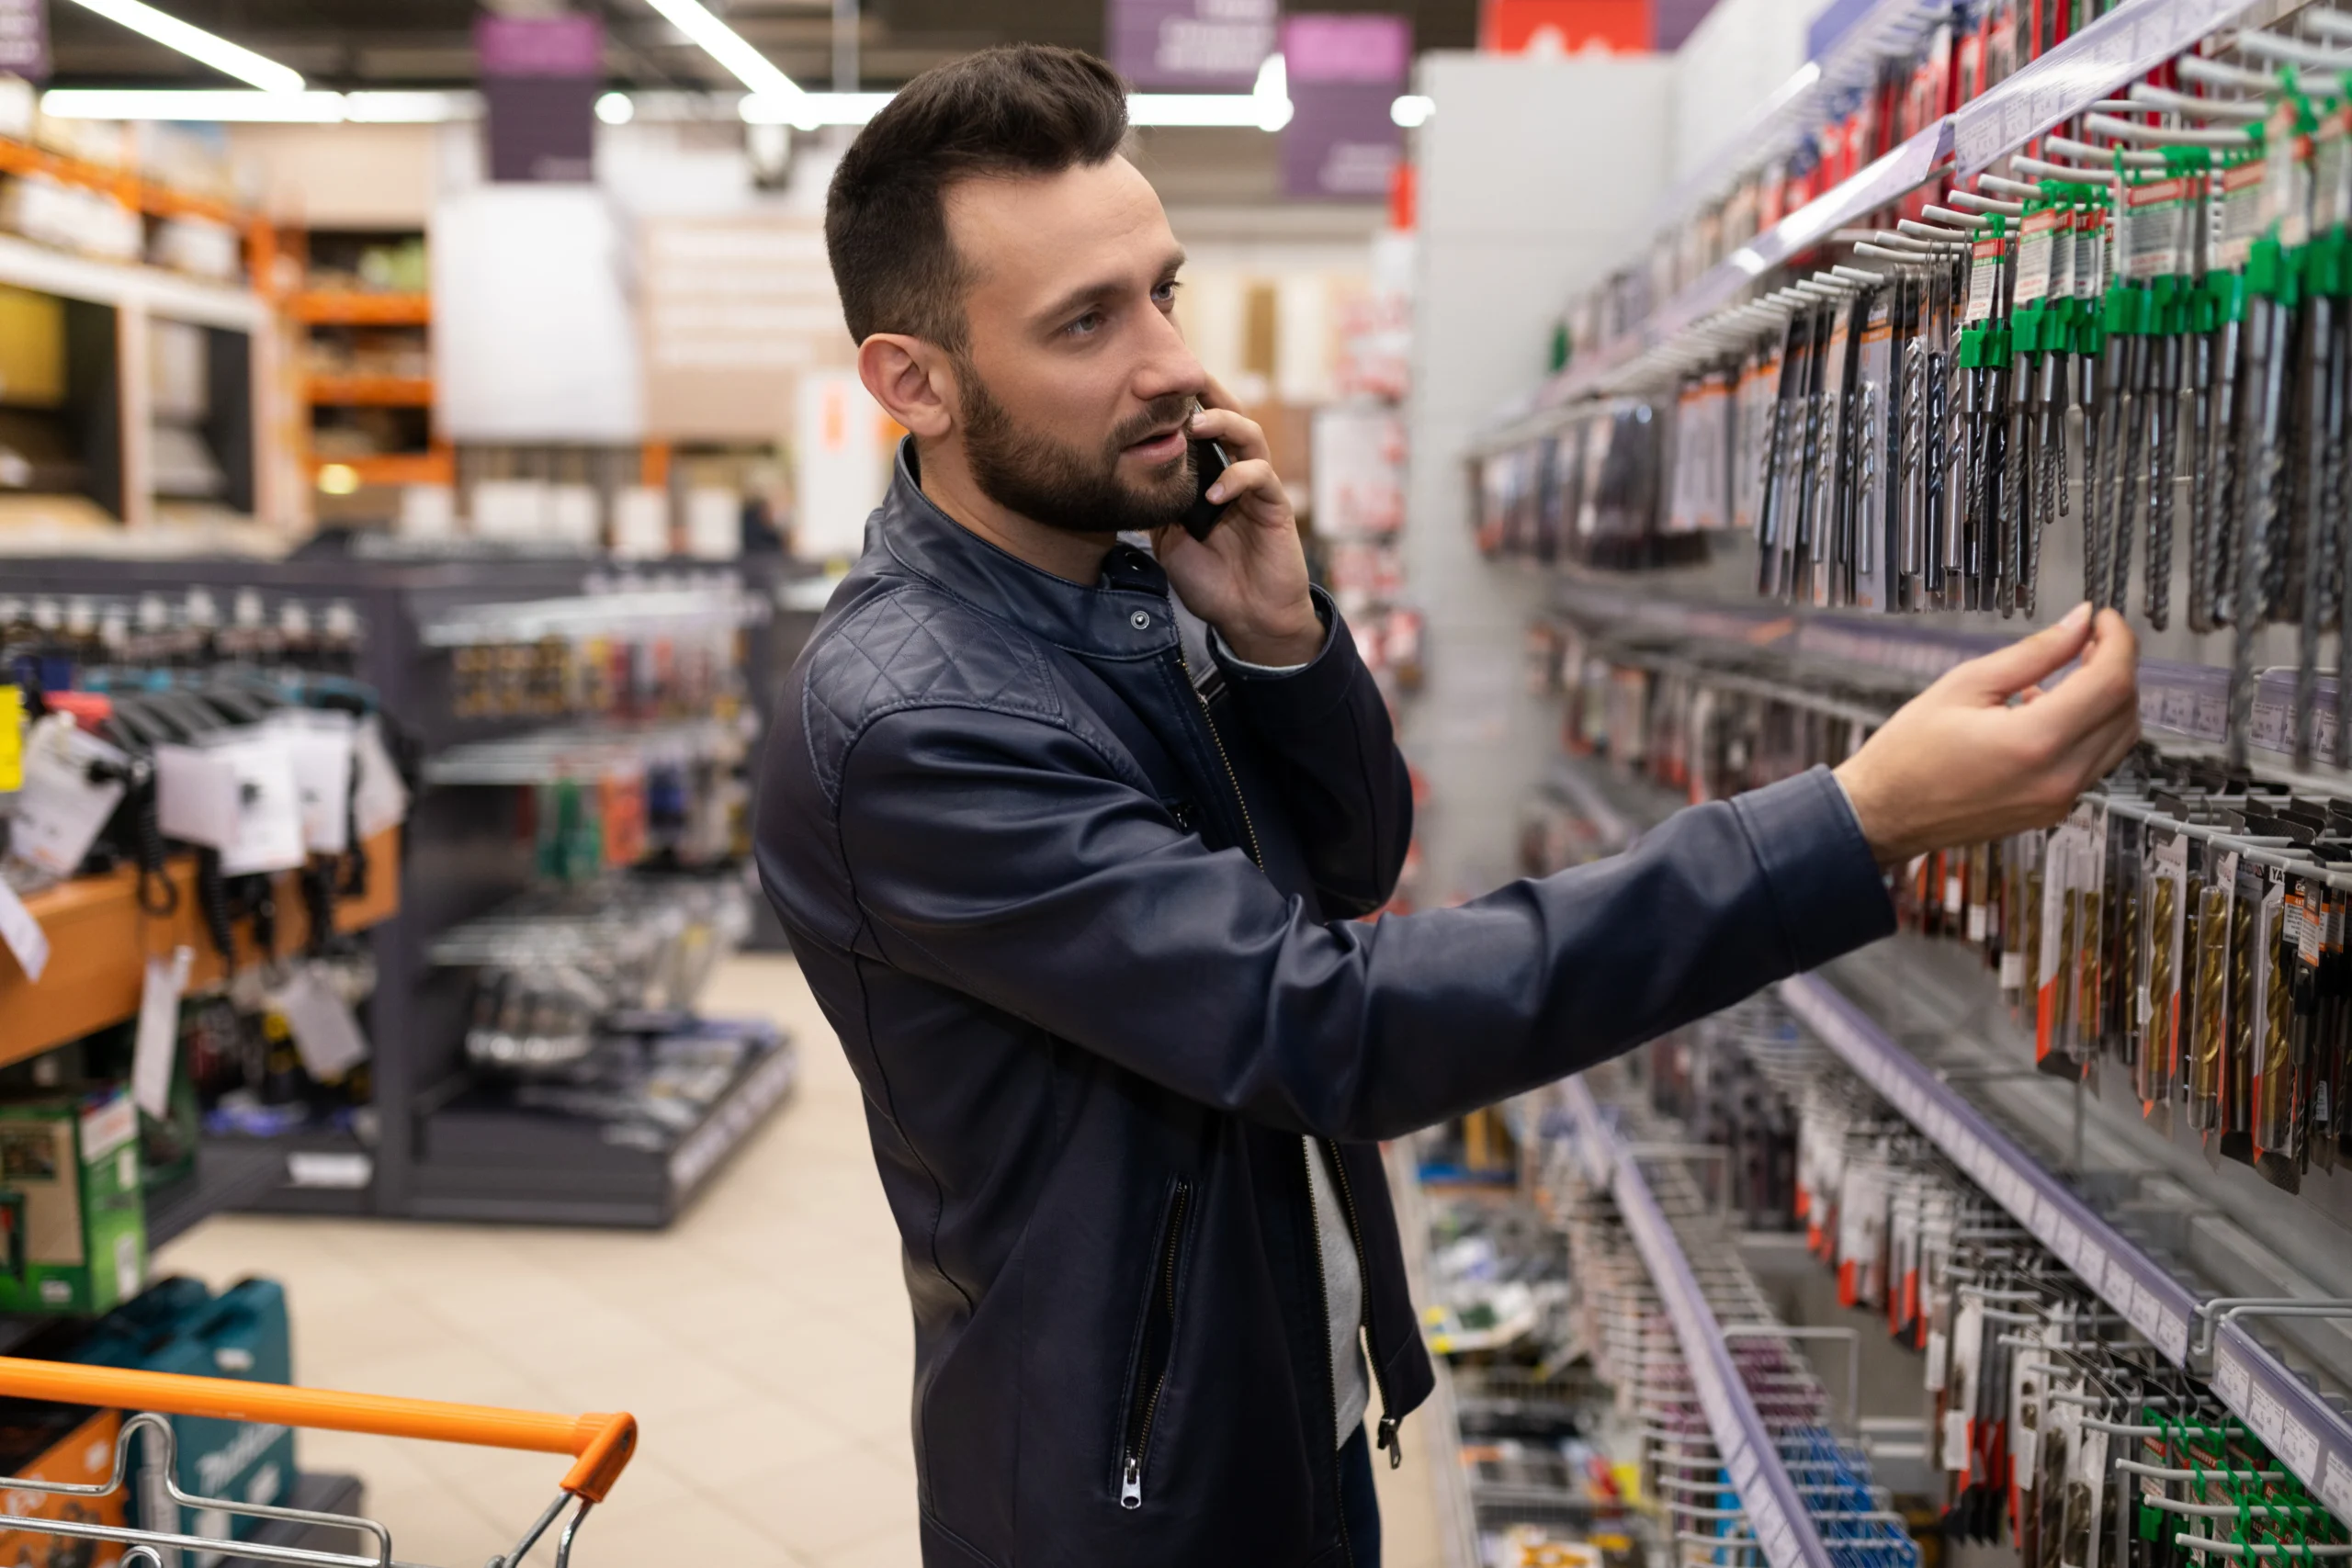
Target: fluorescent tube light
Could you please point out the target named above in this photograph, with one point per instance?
(234, 60)
(727, 46)
(233, 105)
(171, 103)
(1241, 109)
(806, 111)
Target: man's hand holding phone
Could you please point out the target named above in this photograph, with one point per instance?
(1248, 577)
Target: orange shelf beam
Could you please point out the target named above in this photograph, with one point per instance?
(375, 392)
(22, 158)
(438, 467)
(328, 308)
(99, 941)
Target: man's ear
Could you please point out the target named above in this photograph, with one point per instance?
(912, 381)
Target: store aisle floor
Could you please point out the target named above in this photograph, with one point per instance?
(762, 1343)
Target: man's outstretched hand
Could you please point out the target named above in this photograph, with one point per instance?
(1960, 763)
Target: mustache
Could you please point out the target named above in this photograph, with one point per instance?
(1176, 409)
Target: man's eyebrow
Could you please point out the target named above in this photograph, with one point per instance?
(1087, 294)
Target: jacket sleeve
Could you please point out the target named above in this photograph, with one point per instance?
(1003, 856)
(1342, 782)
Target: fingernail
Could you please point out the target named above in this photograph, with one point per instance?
(1217, 491)
(2076, 618)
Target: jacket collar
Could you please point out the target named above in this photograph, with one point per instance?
(1098, 618)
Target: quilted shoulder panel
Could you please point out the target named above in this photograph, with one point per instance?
(913, 646)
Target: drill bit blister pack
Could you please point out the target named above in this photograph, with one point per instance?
(2058, 1432)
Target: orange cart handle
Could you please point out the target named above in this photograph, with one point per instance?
(601, 1444)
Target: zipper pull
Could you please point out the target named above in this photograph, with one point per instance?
(1388, 1439)
(1131, 1484)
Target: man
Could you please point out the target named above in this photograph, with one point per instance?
(1074, 877)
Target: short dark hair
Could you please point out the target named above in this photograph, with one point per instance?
(1012, 110)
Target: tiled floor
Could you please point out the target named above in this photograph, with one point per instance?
(762, 1343)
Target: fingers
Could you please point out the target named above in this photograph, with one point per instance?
(2106, 683)
(1242, 437)
(1252, 481)
(2025, 661)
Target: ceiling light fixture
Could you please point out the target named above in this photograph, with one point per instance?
(229, 105)
(615, 109)
(232, 59)
(727, 46)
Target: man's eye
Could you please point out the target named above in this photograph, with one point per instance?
(1086, 325)
(1166, 293)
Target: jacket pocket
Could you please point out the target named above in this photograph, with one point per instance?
(1154, 1346)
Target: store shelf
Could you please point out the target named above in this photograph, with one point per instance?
(436, 468)
(228, 1176)
(553, 1171)
(354, 308)
(166, 294)
(1457, 1515)
(1775, 1511)
(2127, 43)
(125, 185)
(2313, 1439)
(99, 939)
(369, 391)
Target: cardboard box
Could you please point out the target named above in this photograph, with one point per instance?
(55, 1442)
(72, 1215)
(180, 1327)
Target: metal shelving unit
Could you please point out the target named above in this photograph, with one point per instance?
(1776, 1511)
(2127, 43)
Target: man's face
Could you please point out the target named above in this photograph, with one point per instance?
(1075, 384)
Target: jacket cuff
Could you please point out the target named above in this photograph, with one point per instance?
(1825, 881)
(1311, 690)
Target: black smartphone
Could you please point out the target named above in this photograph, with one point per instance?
(1208, 462)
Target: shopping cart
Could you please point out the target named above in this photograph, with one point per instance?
(600, 1447)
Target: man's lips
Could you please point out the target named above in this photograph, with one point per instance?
(1168, 445)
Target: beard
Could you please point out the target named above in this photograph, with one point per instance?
(1067, 488)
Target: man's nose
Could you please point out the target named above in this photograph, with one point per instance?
(1170, 367)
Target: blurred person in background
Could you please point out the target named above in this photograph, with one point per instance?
(1072, 815)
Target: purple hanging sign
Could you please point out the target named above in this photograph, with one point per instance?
(541, 76)
(1345, 72)
(1189, 46)
(24, 38)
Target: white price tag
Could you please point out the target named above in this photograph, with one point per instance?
(1956, 1441)
(2171, 1335)
(2230, 1381)
(381, 800)
(155, 1046)
(1938, 1359)
(321, 752)
(2335, 1485)
(22, 933)
(2297, 1444)
(58, 810)
(326, 1036)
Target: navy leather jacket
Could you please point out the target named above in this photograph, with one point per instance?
(1080, 904)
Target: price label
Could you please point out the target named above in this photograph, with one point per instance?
(155, 1049)
(2230, 1381)
(22, 933)
(2335, 1485)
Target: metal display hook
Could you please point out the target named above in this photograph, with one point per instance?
(2165, 100)
(2221, 1311)
(2165, 136)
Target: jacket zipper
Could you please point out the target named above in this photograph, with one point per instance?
(1388, 1438)
(1389, 1435)
(1140, 1444)
(1322, 1296)
(1240, 804)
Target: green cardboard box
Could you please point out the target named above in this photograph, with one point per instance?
(72, 1211)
